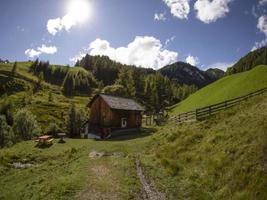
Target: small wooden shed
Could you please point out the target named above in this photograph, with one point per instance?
(111, 113)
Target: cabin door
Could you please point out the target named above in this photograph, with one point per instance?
(123, 122)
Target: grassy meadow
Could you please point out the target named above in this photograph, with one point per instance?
(226, 88)
(65, 171)
(223, 157)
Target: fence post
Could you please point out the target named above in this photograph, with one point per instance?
(210, 111)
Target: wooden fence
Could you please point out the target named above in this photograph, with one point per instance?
(215, 108)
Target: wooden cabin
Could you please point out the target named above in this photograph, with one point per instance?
(111, 113)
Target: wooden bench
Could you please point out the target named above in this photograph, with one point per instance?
(50, 141)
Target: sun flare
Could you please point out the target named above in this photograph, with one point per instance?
(79, 9)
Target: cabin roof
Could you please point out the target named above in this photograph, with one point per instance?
(119, 103)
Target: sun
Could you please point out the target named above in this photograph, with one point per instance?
(80, 10)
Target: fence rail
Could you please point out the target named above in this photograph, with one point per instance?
(215, 108)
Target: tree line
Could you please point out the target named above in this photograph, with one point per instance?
(251, 60)
(99, 74)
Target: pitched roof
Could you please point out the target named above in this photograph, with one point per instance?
(120, 103)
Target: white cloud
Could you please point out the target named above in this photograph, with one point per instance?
(262, 2)
(179, 8)
(194, 61)
(77, 57)
(78, 12)
(220, 65)
(160, 16)
(54, 25)
(47, 49)
(31, 53)
(168, 41)
(260, 44)
(262, 24)
(210, 10)
(144, 51)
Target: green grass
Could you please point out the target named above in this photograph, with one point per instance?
(65, 171)
(224, 89)
(223, 157)
(38, 103)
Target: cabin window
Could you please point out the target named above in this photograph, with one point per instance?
(123, 122)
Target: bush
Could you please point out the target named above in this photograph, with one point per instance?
(74, 121)
(6, 133)
(6, 110)
(25, 125)
(53, 129)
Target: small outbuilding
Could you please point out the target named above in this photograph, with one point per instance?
(111, 113)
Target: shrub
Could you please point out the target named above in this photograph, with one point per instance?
(74, 121)
(25, 125)
(6, 110)
(53, 129)
(6, 133)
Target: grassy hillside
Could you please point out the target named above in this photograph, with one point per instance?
(221, 158)
(20, 94)
(225, 88)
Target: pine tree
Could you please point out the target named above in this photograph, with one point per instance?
(125, 78)
(14, 69)
(71, 121)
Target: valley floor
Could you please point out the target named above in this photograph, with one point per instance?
(220, 158)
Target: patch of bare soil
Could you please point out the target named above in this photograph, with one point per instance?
(96, 154)
(149, 190)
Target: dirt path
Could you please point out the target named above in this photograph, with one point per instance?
(150, 192)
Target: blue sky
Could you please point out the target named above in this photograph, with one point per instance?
(150, 33)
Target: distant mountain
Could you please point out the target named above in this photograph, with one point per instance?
(251, 60)
(215, 73)
(185, 73)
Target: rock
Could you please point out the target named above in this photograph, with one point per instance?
(95, 154)
(19, 165)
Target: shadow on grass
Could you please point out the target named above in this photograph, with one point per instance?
(130, 135)
(61, 141)
(43, 146)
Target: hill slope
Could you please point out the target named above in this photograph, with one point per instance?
(17, 90)
(221, 158)
(249, 61)
(224, 89)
